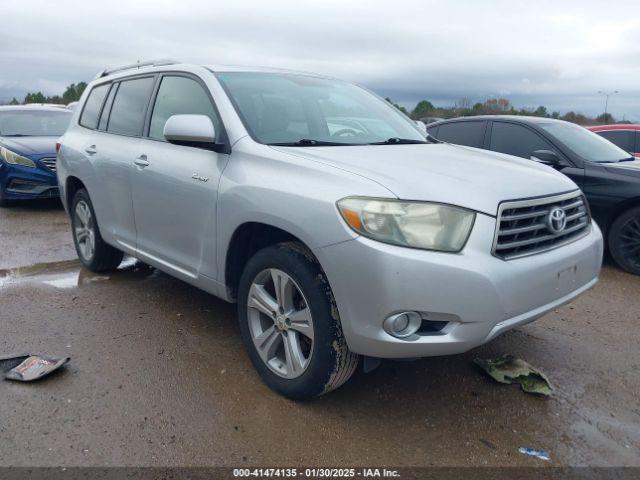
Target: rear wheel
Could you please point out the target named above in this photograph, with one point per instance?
(290, 324)
(624, 240)
(92, 250)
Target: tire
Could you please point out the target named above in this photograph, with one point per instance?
(4, 202)
(624, 240)
(100, 257)
(326, 360)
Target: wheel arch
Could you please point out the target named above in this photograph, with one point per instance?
(618, 210)
(72, 185)
(247, 239)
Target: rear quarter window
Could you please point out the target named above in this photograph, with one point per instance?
(93, 106)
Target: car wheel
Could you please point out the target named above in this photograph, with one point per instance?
(290, 324)
(3, 201)
(92, 250)
(624, 240)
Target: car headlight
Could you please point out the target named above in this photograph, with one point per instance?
(426, 225)
(15, 159)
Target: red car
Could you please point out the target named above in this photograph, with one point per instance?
(627, 137)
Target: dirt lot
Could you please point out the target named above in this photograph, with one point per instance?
(158, 377)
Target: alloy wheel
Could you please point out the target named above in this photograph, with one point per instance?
(630, 241)
(84, 230)
(280, 323)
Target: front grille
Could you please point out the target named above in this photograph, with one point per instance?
(50, 163)
(525, 228)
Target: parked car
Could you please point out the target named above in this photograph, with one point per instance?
(428, 120)
(627, 137)
(608, 175)
(336, 243)
(28, 136)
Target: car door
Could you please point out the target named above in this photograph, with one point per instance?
(521, 141)
(116, 143)
(175, 186)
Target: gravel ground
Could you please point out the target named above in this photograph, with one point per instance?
(158, 377)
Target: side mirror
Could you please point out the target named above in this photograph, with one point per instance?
(190, 130)
(546, 157)
(422, 126)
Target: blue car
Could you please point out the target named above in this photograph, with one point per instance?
(28, 136)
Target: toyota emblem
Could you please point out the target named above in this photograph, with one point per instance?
(557, 220)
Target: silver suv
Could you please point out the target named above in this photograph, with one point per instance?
(323, 212)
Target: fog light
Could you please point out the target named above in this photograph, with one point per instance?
(403, 324)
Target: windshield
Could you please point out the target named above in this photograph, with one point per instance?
(288, 109)
(33, 123)
(588, 145)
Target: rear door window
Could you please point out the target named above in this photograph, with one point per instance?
(130, 106)
(469, 133)
(624, 139)
(517, 140)
(93, 106)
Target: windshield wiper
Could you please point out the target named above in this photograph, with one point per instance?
(626, 159)
(16, 135)
(398, 141)
(307, 142)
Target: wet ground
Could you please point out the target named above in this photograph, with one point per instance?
(158, 377)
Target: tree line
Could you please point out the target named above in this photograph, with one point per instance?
(424, 108)
(497, 106)
(71, 94)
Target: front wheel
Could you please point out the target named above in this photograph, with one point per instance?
(94, 253)
(624, 240)
(3, 201)
(290, 325)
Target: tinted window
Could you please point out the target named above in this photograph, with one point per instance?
(516, 140)
(621, 138)
(93, 105)
(104, 117)
(129, 106)
(179, 96)
(470, 134)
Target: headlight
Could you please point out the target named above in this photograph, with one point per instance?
(15, 159)
(430, 226)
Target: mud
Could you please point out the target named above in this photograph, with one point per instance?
(158, 377)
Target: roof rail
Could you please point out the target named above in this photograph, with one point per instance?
(150, 63)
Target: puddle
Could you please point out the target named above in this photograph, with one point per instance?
(65, 275)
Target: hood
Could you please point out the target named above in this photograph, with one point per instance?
(631, 169)
(30, 145)
(463, 176)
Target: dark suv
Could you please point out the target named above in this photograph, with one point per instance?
(609, 176)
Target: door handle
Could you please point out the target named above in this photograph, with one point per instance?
(91, 150)
(141, 161)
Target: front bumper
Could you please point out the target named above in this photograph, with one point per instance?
(24, 183)
(474, 294)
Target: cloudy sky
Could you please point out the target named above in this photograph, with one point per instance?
(557, 53)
